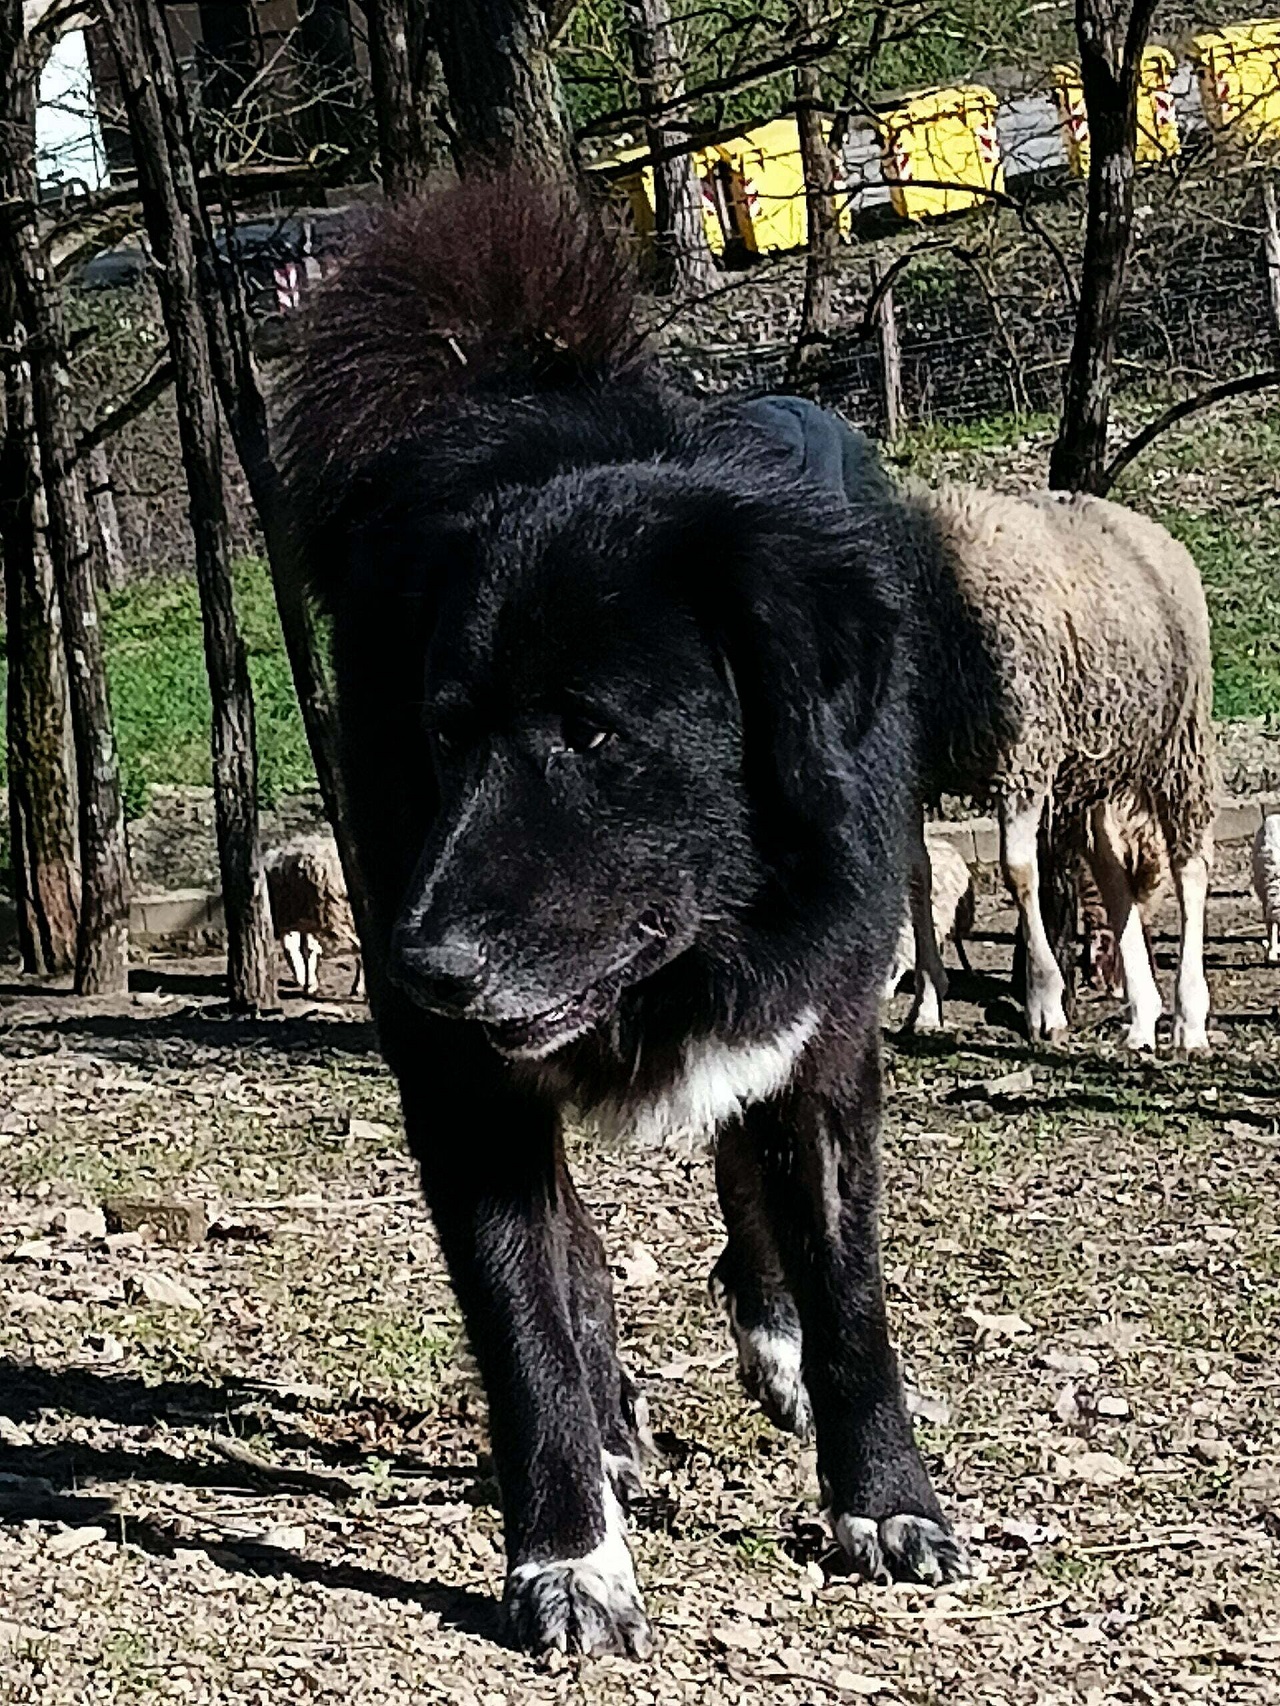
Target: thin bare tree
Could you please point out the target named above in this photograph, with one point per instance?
(819, 162)
(1112, 36)
(26, 34)
(46, 877)
(161, 124)
(251, 955)
(682, 260)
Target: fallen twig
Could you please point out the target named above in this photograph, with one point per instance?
(329, 1482)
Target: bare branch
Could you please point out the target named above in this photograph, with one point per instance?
(729, 84)
(153, 384)
(1241, 387)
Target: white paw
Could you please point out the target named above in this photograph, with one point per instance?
(901, 1548)
(588, 1605)
(769, 1368)
(624, 1475)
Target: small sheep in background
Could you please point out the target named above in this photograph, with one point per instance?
(951, 883)
(309, 908)
(1266, 879)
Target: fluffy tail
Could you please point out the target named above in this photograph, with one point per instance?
(499, 285)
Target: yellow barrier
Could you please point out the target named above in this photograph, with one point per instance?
(636, 189)
(768, 186)
(937, 144)
(1158, 138)
(1239, 71)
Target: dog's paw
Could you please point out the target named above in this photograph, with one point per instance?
(769, 1369)
(901, 1549)
(578, 1605)
(769, 1356)
(588, 1605)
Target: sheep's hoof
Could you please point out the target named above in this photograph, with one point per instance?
(1189, 1040)
(1273, 956)
(1141, 1039)
(1054, 1035)
(922, 1024)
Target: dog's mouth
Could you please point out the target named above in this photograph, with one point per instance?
(546, 1032)
(538, 1035)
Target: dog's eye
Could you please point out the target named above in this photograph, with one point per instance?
(579, 733)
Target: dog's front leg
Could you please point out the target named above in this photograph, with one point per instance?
(817, 1149)
(493, 1186)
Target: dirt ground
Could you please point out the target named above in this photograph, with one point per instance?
(251, 1466)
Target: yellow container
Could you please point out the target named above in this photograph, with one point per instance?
(1239, 70)
(1158, 138)
(768, 184)
(941, 151)
(636, 189)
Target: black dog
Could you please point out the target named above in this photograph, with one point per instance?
(630, 755)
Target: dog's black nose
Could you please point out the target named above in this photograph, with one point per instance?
(446, 975)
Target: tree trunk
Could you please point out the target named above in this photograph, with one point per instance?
(817, 312)
(46, 878)
(1111, 48)
(682, 260)
(251, 957)
(504, 91)
(245, 407)
(403, 69)
(106, 521)
(102, 945)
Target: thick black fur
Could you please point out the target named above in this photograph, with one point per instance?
(629, 745)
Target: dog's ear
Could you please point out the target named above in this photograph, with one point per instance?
(805, 611)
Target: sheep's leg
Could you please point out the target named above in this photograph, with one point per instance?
(311, 964)
(1191, 1007)
(1273, 942)
(931, 977)
(357, 987)
(1106, 858)
(1019, 828)
(291, 942)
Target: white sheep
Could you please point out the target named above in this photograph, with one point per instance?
(951, 886)
(309, 907)
(1065, 666)
(1266, 880)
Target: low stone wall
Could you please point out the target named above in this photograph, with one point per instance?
(978, 839)
(191, 918)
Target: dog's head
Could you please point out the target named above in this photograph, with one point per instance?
(642, 697)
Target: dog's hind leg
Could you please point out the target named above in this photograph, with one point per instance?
(820, 1178)
(491, 1168)
(748, 1280)
(621, 1411)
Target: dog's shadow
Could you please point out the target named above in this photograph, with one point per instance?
(44, 1484)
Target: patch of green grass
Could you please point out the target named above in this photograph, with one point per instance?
(914, 449)
(1238, 557)
(160, 690)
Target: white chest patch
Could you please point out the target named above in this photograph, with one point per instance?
(716, 1081)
